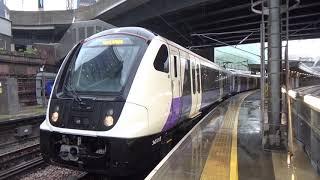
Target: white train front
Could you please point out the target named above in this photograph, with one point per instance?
(119, 95)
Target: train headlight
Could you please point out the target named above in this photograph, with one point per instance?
(108, 120)
(55, 117)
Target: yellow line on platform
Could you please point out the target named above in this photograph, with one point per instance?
(234, 147)
(222, 160)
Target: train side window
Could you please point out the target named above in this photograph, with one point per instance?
(175, 66)
(198, 78)
(187, 79)
(216, 85)
(161, 63)
(193, 78)
(204, 78)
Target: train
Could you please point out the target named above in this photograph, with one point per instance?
(120, 95)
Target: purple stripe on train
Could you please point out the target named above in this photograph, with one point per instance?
(174, 114)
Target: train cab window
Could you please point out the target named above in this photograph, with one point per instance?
(104, 64)
(161, 63)
(175, 66)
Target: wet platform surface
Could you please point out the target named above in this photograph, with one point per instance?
(227, 144)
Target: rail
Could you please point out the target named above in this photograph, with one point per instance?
(20, 160)
(21, 168)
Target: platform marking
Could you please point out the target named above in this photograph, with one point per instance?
(164, 160)
(222, 160)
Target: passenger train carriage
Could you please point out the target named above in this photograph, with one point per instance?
(120, 93)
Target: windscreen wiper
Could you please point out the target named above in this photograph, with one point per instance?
(74, 94)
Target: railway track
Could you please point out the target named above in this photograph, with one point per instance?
(18, 142)
(16, 131)
(17, 161)
(21, 168)
(19, 153)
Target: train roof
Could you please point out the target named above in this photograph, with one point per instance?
(204, 60)
(149, 35)
(138, 31)
(245, 73)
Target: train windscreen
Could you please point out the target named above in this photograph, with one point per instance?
(104, 64)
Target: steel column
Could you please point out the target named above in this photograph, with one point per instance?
(262, 72)
(274, 64)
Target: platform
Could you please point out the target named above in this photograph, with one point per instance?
(25, 112)
(226, 144)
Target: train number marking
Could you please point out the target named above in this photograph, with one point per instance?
(156, 140)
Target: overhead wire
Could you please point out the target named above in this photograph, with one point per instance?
(226, 44)
(166, 22)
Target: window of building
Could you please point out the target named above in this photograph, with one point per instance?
(161, 63)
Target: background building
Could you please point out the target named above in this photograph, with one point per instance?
(46, 5)
(5, 28)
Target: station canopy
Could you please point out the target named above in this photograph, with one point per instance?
(228, 21)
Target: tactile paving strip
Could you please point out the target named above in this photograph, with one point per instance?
(217, 166)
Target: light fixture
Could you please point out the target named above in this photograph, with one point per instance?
(108, 120)
(55, 114)
(55, 117)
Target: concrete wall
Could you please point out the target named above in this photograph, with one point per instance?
(19, 65)
(9, 96)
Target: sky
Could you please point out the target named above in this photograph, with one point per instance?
(297, 48)
(304, 48)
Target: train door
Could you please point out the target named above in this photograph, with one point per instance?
(226, 87)
(221, 84)
(175, 74)
(239, 84)
(186, 84)
(194, 97)
(198, 82)
(233, 83)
